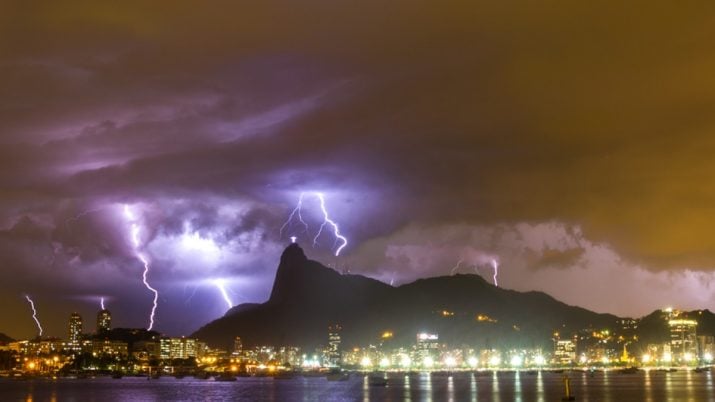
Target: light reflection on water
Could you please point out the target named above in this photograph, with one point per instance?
(524, 386)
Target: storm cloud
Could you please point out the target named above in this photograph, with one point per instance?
(572, 143)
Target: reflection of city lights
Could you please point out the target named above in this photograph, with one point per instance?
(473, 361)
(366, 362)
(384, 362)
(428, 362)
(516, 361)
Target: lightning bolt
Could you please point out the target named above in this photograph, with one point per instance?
(141, 257)
(456, 267)
(34, 314)
(328, 221)
(495, 265)
(220, 285)
(297, 211)
(101, 303)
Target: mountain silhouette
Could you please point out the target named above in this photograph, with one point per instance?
(307, 297)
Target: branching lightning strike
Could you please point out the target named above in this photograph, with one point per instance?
(326, 221)
(141, 257)
(34, 314)
(456, 267)
(296, 210)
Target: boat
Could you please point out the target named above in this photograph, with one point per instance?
(201, 375)
(337, 376)
(701, 369)
(117, 375)
(284, 375)
(628, 370)
(225, 377)
(377, 381)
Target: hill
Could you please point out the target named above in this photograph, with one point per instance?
(5, 339)
(307, 297)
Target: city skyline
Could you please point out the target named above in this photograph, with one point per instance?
(151, 157)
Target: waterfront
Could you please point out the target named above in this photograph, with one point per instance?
(605, 386)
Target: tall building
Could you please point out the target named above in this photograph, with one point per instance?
(237, 346)
(333, 354)
(177, 348)
(683, 338)
(427, 347)
(104, 321)
(74, 338)
(565, 351)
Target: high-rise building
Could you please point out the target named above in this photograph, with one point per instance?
(104, 321)
(427, 348)
(565, 351)
(74, 338)
(683, 338)
(237, 346)
(333, 352)
(177, 348)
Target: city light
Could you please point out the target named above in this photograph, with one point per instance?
(366, 362)
(473, 361)
(646, 358)
(708, 357)
(688, 357)
(428, 362)
(539, 360)
(667, 357)
(405, 361)
(516, 361)
(450, 361)
(384, 362)
(494, 361)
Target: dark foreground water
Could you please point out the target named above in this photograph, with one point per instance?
(601, 386)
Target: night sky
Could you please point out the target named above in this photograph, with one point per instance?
(573, 143)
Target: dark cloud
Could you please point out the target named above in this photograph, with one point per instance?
(551, 258)
(558, 139)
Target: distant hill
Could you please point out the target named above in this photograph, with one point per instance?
(5, 339)
(307, 297)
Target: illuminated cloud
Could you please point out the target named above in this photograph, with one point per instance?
(573, 146)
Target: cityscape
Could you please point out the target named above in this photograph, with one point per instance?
(140, 352)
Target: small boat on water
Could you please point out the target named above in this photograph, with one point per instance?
(701, 369)
(338, 376)
(377, 381)
(225, 377)
(284, 375)
(628, 370)
(201, 375)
